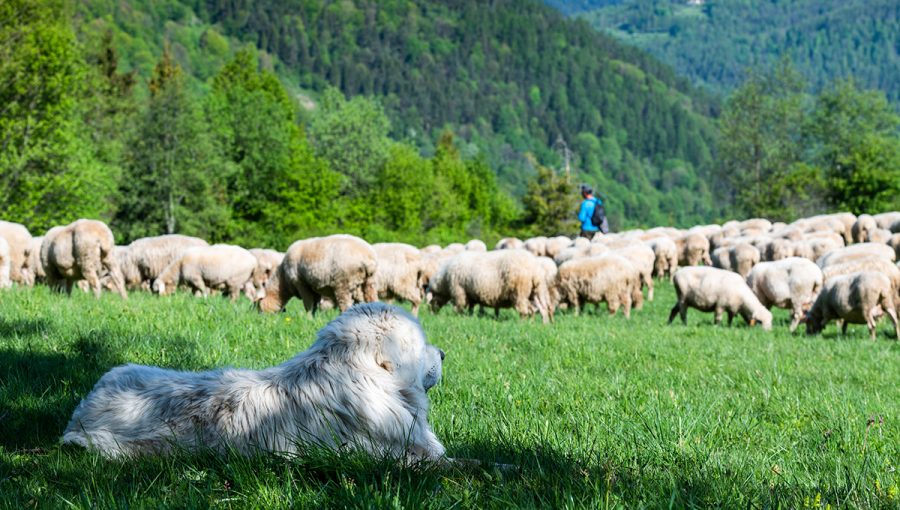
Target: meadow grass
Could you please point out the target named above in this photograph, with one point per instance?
(594, 411)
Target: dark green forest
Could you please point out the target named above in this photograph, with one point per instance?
(422, 121)
(715, 43)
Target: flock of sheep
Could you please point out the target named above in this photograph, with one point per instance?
(829, 267)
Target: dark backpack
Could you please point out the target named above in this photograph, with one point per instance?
(598, 218)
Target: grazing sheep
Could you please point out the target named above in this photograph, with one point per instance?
(710, 289)
(666, 257)
(476, 245)
(537, 246)
(34, 261)
(267, 261)
(550, 273)
(151, 255)
(693, 249)
(643, 259)
(574, 252)
(779, 249)
(791, 283)
(856, 251)
(82, 250)
(339, 267)
(19, 240)
(128, 271)
(864, 224)
(509, 243)
(496, 279)
(739, 258)
(878, 265)
(610, 278)
(894, 243)
(455, 248)
(5, 262)
(858, 298)
(888, 220)
(556, 245)
(224, 267)
(399, 273)
(879, 235)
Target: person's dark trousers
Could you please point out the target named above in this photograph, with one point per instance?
(589, 234)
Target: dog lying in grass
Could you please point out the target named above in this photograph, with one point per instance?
(361, 385)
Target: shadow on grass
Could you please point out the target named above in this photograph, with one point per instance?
(40, 388)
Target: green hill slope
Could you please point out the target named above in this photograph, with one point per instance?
(715, 42)
(510, 80)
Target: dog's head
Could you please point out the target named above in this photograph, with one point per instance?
(386, 337)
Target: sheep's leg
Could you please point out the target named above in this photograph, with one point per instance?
(310, 299)
(612, 305)
(649, 288)
(415, 308)
(344, 297)
(844, 325)
(718, 317)
(234, 292)
(683, 311)
(796, 315)
(893, 315)
(730, 318)
(673, 313)
(576, 305)
(69, 284)
(626, 304)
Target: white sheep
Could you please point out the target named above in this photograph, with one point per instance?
(399, 273)
(82, 250)
(340, 267)
(496, 279)
(856, 251)
(267, 261)
(5, 262)
(610, 278)
(693, 249)
(476, 245)
(858, 298)
(643, 259)
(861, 228)
(710, 289)
(223, 267)
(666, 256)
(19, 240)
(537, 246)
(739, 258)
(792, 283)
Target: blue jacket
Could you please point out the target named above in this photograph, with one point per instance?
(587, 210)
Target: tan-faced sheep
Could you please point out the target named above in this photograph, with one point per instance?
(739, 258)
(509, 243)
(643, 259)
(858, 298)
(610, 278)
(82, 250)
(710, 289)
(5, 262)
(399, 273)
(203, 269)
(792, 283)
(496, 279)
(19, 240)
(693, 249)
(339, 267)
(267, 261)
(861, 228)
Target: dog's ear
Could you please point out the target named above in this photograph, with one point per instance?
(384, 363)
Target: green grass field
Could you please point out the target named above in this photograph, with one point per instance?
(595, 411)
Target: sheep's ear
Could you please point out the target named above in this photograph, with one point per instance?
(752, 322)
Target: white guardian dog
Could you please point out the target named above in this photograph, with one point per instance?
(361, 385)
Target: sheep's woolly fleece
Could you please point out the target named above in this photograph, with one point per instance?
(361, 385)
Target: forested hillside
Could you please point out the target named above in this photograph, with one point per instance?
(716, 42)
(508, 81)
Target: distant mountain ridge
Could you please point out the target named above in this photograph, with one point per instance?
(714, 43)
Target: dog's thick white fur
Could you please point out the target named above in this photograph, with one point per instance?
(360, 385)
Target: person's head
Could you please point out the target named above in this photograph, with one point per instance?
(586, 191)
